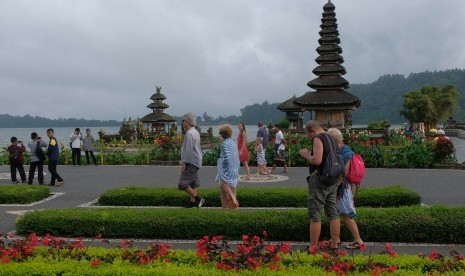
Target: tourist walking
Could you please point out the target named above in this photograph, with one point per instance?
(228, 169)
(261, 161)
(191, 161)
(320, 195)
(262, 136)
(345, 198)
(53, 154)
(35, 145)
(89, 142)
(15, 154)
(242, 147)
(279, 150)
(76, 138)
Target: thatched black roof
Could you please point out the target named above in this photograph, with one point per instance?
(289, 105)
(328, 99)
(158, 96)
(157, 117)
(158, 105)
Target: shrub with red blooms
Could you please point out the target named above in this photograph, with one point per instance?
(251, 253)
(20, 250)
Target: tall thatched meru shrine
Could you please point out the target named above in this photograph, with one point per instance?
(158, 122)
(330, 102)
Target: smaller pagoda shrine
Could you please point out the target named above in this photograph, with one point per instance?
(294, 113)
(158, 122)
(331, 102)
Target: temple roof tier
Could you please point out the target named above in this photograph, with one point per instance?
(329, 49)
(329, 69)
(328, 82)
(158, 105)
(328, 99)
(289, 105)
(158, 117)
(329, 58)
(329, 40)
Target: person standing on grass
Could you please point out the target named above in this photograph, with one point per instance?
(228, 169)
(191, 161)
(346, 207)
(53, 154)
(35, 161)
(320, 195)
(76, 138)
(242, 147)
(89, 147)
(15, 153)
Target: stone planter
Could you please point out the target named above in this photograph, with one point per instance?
(165, 163)
(447, 166)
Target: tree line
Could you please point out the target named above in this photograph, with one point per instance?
(9, 121)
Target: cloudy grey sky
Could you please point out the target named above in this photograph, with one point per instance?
(102, 59)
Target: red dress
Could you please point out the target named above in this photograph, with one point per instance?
(245, 152)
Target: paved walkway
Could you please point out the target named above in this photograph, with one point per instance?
(86, 183)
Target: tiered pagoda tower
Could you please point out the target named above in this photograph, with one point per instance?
(330, 102)
(158, 121)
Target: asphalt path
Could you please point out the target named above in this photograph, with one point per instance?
(85, 183)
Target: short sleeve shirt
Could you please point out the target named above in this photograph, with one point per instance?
(264, 134)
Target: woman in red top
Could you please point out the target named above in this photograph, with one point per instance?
(243, 151)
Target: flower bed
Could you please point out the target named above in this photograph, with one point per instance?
(393, 196)
(436, 224)
(23, 194)
(253, 255)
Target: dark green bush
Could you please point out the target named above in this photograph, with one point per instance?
(436, 224)
(23, 194)
(253, 197)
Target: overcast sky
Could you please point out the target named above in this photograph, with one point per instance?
(102, 59)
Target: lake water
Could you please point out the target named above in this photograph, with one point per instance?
(62, 134)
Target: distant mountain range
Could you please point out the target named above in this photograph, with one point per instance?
(381, 100)
(7, 121)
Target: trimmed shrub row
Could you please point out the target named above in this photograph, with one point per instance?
(186, 263)
(393, 196)
(23, 194)
(436, 224)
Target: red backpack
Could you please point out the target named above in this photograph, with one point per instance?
(356, 171)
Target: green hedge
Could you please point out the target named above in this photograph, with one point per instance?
(436, 224)
(393, 196)
(23, 194)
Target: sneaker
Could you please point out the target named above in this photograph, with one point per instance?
(60, 183)
(200, 202)
(15, 182)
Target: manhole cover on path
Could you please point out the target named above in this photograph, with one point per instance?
(254, 178)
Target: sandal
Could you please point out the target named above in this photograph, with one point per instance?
(328, 242)
(353, 246)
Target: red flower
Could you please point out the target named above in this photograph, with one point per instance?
(312, 250)
(95, 262)
(363, 247)
(434, 255)
(285, 247)
(245, 237)
(393, 254)
(388, 246)
(270, 248)
(392, 268)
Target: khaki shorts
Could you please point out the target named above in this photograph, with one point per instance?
(321, 197)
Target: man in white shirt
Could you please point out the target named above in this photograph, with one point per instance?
(279, 149)
(76, 138)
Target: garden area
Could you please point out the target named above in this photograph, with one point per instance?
(248, 241)
(395, 151)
